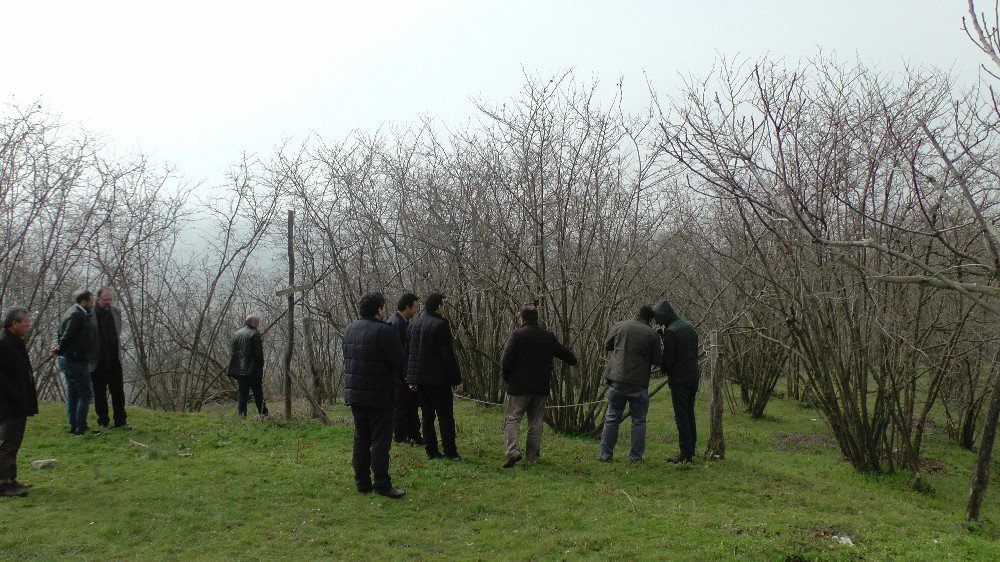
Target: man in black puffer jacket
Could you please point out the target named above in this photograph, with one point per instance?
(526, 365)
(373, 358)
(680, 364)
(432, 370)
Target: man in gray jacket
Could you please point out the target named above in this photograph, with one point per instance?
(634, 348)
(106, 372)
(246, 365)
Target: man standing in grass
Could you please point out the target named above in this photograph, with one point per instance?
(17, 398)
(680, 364)
(526, 365)
(406, 422)
(373, 358)
(432, 370)
(246, 365)
(107, 372)
(76, 347)
(635, 348)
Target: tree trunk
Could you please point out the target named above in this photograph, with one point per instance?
(981, 473)
(291, 318)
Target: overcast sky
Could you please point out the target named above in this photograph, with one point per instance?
(199, 83)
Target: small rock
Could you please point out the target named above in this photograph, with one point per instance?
(845, 540)
(44, 463)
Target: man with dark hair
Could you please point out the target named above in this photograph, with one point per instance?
(76, 349)
(106, 373)
(373, 358)
(680, 364)
(432, 370)
(17, 398)
(635, 348)
(406, 421)
(526, 365)
(246, 366)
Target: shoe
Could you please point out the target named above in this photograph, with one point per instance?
(364, 490)
(24, 485)
(432, 456)
(603, 459)
(635, 461)
(104, 426)
(510, 460)
(416, 441)
(677, 459)
(455, 457)
(260, 417)
(13, 491)
(123, 427)
(391, 493)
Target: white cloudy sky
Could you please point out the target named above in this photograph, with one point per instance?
(199, 83)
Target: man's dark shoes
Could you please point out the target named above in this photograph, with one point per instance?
(510, 460)
(13, 491)
(123, 426)
(363, 490)
(390, 493)
(432, 456)
(455, 457)
(677, 459)
(416, 441)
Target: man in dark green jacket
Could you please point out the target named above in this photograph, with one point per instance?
(680, 364)
(17, 398)
(634, 348)
(76, 348)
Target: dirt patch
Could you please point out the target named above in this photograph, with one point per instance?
(783, 441)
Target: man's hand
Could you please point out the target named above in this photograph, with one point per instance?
(457, 388)
(413, 387)
(54, 349)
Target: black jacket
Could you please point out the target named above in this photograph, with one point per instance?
(680, 346)
(246, 356)
(526, 360)
(431, 355)
(77, 336)
(17, 386)
(373, 359)
(400, 325)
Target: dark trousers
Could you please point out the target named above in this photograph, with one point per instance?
(246, 385)
(406, 420)
(682, 395)
(436, 401)
(372, 438)
(109, 379)
(11, 435)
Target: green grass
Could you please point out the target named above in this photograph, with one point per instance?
(213, 486)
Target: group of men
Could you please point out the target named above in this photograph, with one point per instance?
(88, 355)
(392, 366)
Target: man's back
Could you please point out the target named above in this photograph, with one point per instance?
(635, 348)
(431, 355)
(372, 358)
(526, 361)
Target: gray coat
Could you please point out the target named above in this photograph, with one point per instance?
(246, 357)
(635, 348)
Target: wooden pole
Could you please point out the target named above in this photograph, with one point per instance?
(291, 317)
(716, 443)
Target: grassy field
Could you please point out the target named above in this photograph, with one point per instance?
(210, 485)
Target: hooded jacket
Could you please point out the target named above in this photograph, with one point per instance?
(680, 345)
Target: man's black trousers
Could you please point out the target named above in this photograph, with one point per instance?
(372, 438)
(436, 401)
(105, 380)
(246, 385)
(406, 422)
(682, 396)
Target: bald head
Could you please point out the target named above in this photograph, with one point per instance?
(253, 321)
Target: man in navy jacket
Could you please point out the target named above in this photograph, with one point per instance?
(373, 358)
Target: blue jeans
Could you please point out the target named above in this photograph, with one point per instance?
(79, 393)
(637, 398)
